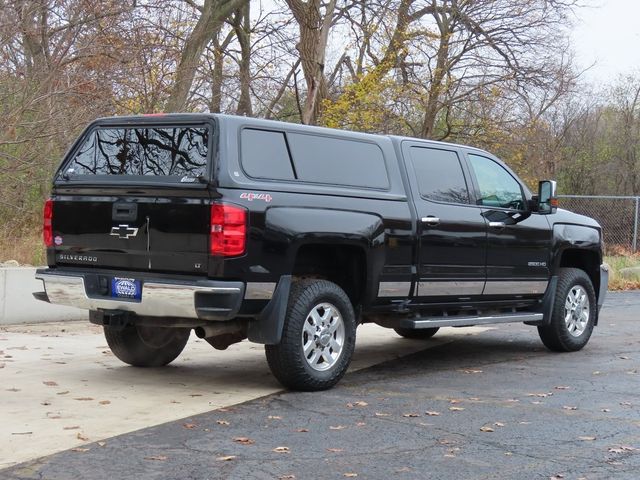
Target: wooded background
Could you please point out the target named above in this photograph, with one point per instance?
(498, 74)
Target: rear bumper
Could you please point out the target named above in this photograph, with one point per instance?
(161, 297)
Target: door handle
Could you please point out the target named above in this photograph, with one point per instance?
(431, 220)
(498, 225)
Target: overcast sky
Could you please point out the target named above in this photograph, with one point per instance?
(608, 34)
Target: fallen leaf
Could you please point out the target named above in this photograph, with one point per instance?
(524, 423)
(45, 403)
(104, 402)
(159, 458)
(624, 357)
(470, 371)
(82, 437)
(337, 427)
(360, 424)
(195, 394)
(569, 407)
(334, 450)
(508, 454)
(512, 400)
(586, 439)
(605, 410)
(561, 387)
(84, 399)
(378, 414)
(274, 417)
(499, 424)
(432, 413)
(350, 474)
(81, 450)
(63, 393)
(486, 429)
(286, 477)
(74, 427)
(302, 430)
(626, 404)
(226, 458)
(411, 415)
(474, 399)
(454, 401)
(621, 449)
(189, 426)
(281, 450)
(50, 383)
(557, 476)
(222, 422)
(537, 402)
(541, 395)
(357, 404)
(102, 444)
(13, 389)
(456, 409)
(244, 440)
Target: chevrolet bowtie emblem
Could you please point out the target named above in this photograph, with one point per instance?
(124, 231)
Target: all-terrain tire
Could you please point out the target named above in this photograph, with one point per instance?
(146, 346)
(307, 357)
(574, 312)
(417, 333)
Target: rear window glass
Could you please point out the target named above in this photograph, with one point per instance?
(265, 155)
(143, 151)
(338, 161)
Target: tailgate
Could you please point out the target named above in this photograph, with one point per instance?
(135, 196)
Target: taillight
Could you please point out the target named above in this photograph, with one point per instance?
(47, 224)
(228, 230)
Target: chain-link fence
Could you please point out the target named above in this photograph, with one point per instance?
(619, 217)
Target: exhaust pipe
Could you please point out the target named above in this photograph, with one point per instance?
(223, 334)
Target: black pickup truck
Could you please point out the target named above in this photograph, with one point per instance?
(291, 236)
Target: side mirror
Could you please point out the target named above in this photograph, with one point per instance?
(547, 197)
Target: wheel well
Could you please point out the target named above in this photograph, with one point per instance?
(586, 260)
(344, 265)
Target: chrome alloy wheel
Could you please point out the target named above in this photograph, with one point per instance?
(576, 310)
(323, 337)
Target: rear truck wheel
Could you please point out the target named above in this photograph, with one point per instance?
(143, 346)
(318, 337)
(418, 334)
(573, 313)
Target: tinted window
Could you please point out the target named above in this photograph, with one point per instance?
(265, 155)
(338, 161)
(497, 187)
(439, 175)
(180, 151)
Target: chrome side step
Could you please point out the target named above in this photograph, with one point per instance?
(453, 321)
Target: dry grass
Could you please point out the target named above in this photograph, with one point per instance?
(617, 263)
(26, 249)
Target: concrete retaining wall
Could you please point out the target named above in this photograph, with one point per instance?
(17, 305)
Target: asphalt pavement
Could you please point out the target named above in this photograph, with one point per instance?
(491, 405)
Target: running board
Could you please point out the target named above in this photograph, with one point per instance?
(454, 321)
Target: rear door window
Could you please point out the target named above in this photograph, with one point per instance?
(143, 151)
(439, 175)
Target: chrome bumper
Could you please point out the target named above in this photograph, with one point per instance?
(197, 299)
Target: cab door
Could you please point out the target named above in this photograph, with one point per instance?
(452, 233)
(518, 240)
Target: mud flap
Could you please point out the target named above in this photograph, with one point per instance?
(267, 328)
(546, 305)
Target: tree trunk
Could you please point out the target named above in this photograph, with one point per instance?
(242, 28)
(213, 13)
(314, 33)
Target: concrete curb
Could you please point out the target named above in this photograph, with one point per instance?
(18, 306)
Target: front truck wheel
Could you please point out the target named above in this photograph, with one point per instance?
(318, 337)
(143, 346)
(573, 313)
